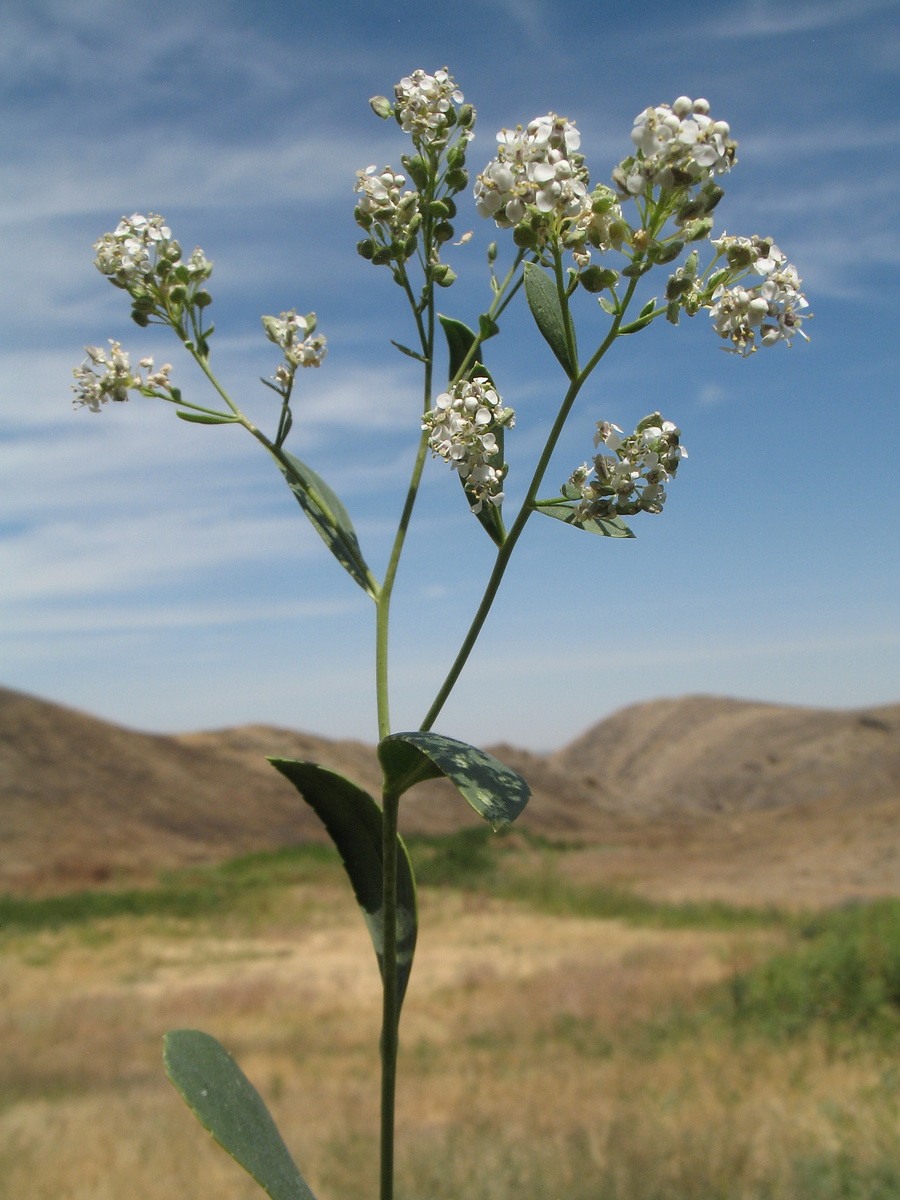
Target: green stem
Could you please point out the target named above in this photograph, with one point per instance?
(390, 1013)
(505, 551)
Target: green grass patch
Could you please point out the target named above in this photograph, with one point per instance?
(843, 970)
(521, 866)
(199, 892)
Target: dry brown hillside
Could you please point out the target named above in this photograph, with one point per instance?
(695, 797)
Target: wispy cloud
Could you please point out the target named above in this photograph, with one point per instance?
(771, 18)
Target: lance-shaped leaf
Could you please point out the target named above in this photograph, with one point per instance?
(330, 520)
(495, 792)
(200, 418)
(227, 1104)
(543, 300)
(461, 339)
(355, 824)
(567, 511)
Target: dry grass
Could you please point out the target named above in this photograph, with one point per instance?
(527, 1069)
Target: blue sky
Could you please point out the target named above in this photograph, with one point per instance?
(161, 575)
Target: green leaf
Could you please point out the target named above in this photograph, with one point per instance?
(487, 327)
(409, 353)
(330, 520)
(460, 340)
(566, 511)
(495, 792)
(198, 418)
(227, 1104)
(543, 300)
(355, 824)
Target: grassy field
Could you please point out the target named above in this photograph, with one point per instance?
(559, 1042)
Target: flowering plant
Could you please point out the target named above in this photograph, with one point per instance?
(566, 234)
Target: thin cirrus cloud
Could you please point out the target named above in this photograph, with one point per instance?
(770, 19)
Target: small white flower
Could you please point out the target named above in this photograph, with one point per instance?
(462, 430)
(296, 337)
(112, 383)
(423, 104)
(632, 481)
(771, 312)
(537, 167)
(675, 146)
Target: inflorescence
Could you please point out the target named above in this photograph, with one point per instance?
(462, 429)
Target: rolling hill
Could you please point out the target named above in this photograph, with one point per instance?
(695, 797)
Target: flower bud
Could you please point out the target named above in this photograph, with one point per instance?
(660, 252)
(695, 231)
(381, 107)
(418, 170)
(202, 299)
(366, 249)
(443, 275)
(597, 279)
(466, 116)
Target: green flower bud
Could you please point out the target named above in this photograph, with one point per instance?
(662, 252)
(366, 249)
(466, 116)
(443, 232)
(457, 180)
(492, 252)
(381, 107)
(178, 294)
(695, 231)
(597, 279)
(712, 194)
(202, 299)
(525, 237)
(140, 318)
(443, 275)
(382, 255)
(418, 170)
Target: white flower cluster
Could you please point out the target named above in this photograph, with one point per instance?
(423, 104)
(141, 249)
(297, 338)
(116, 378)
(537, 167)
(770, 311)
(462, 427)
(632, 481)
(676, 147)
(381, 200)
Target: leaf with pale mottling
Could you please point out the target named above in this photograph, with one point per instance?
(496, 793)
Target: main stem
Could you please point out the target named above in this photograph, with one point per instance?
(390, 1012)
